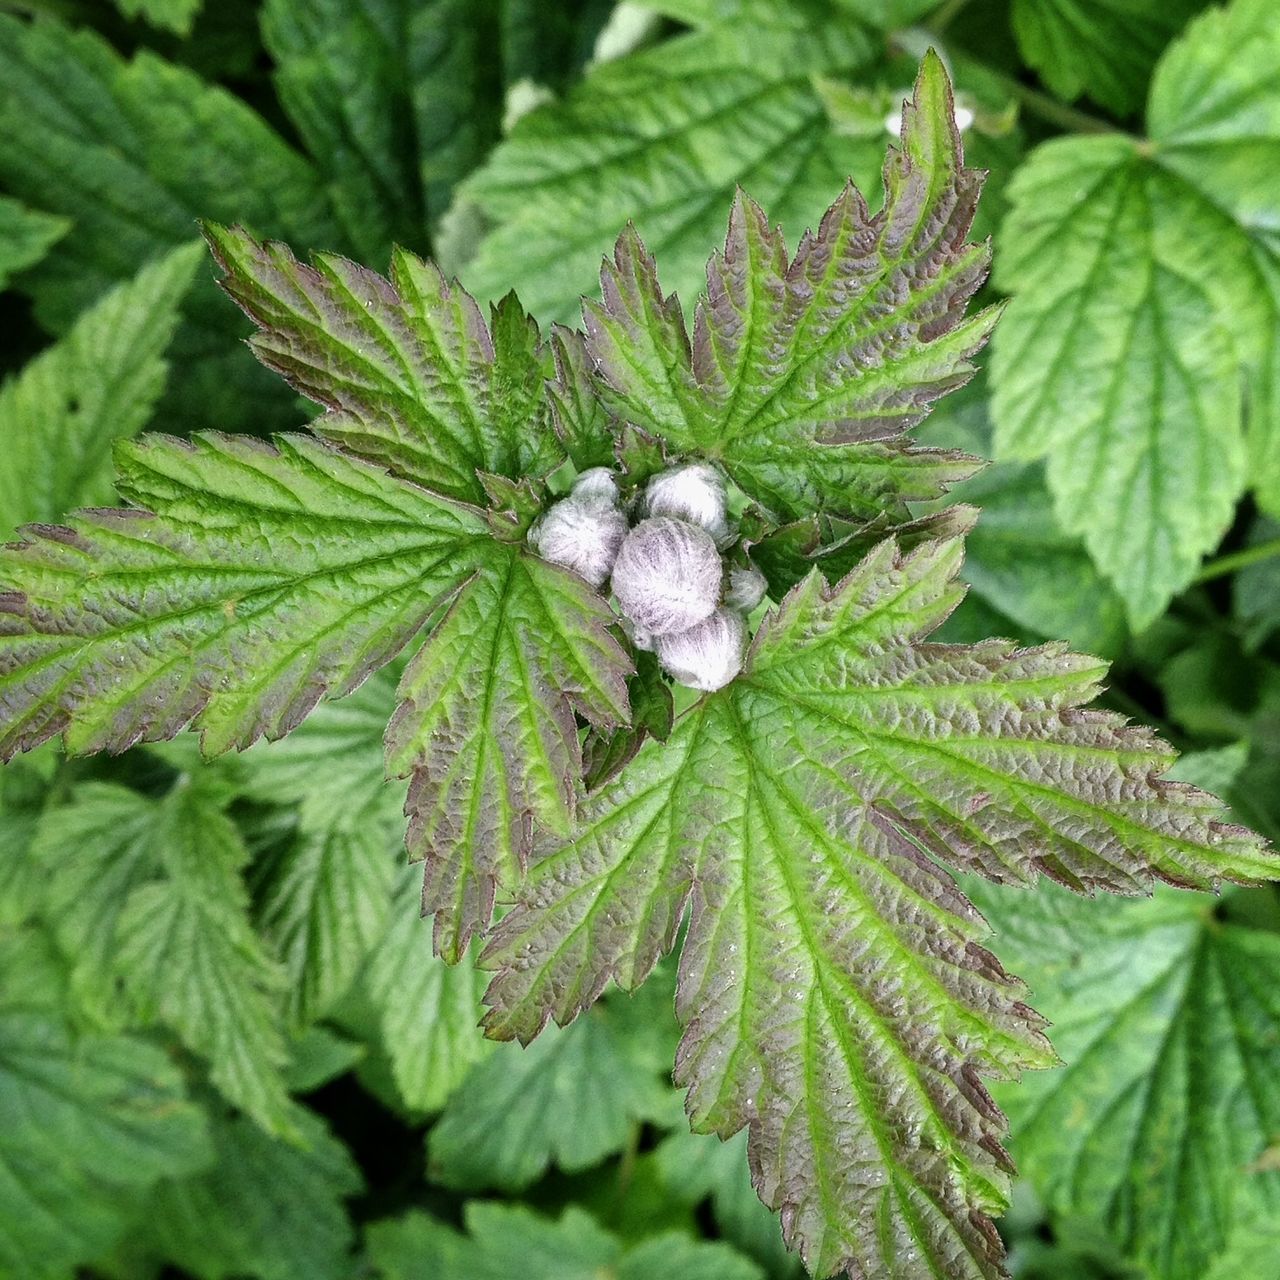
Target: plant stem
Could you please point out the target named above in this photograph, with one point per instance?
(1049, 108)
(945, 15)
(1238, 560)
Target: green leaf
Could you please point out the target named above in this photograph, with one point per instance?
(486, 729)
(834, 991)
(1115, 361)
(172, 15)
(26, 235)
(506, 1237)
(428, 1011)
(267, 1209)
(147, 902)
(764, 386)
(267, 577)
(133, 152)
(62, 413)
(410, 374)
(570, 1099)
(1166, 1019)
(326, 896)
(1103, 48)
(665, 136)
(87, 1126)
(698, 1167)
(1147, 285)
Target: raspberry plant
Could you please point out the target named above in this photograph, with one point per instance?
(792, 831)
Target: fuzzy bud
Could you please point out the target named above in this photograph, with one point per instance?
(747, 588)
(694, 493)
(707, 656)
(667, 575)
(595, 487)
(584, 537)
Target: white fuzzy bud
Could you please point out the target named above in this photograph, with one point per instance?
(694, 493)
(595, 487)
(667, 575)
(638, 636)
(584, 537)
(707, 656)
(746, 588)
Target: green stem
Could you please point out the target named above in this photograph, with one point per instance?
(945, 15)
(1048, 108)
(1238, 560)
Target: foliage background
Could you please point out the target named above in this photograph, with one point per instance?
(225, 1048)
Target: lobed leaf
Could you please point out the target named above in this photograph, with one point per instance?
(411, 376)
(802, 377)
(26, 235)
(259, 579)
(834, 992)
(486, 732)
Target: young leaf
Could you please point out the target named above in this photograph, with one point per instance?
(506, 1237)
(803, 376)
(833, 989)
(485, 729)
(173, 15)
(87, 1126)
(133, 152)
(410, 374)
(608, 1072)
(259, 579)
(1166, 1020)
(1103, 48)
(152, 905)
(26, 235)
(663, 137)
(60, 415)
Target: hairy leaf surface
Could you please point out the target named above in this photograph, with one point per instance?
(258, 579)
(1165, 1019)
(834, 991)
(1145, 278)
(486, 733)
(803, 376)
(410, 374)
(61, 414)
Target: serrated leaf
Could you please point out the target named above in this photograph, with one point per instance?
(428, 1011)
(87, 1126)
(267, 577)
(834, 991)
(133, 152)
(803, 376)
(486, 732)
(1115, 361)
(698, 1167)
(607, 1073)
(267, 1209)
(327, 894)
(664, 136)
(61, 414)
(1103, 48)
(502, 1237)
(1165, 1018)
(26, 235)
(409, 372)
(173, 15)
(148, 905)
(1164, 251)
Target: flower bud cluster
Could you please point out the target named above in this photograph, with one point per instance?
(666, 571)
